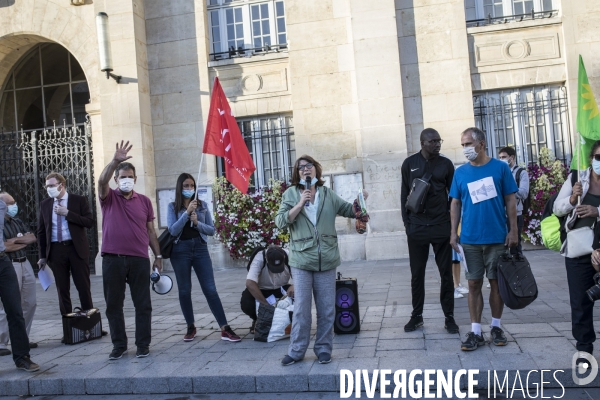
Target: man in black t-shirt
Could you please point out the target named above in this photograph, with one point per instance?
(429, 227)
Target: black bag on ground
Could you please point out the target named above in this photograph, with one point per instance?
(82, 326)
(264, 320)
(516, 283)
(165, 241)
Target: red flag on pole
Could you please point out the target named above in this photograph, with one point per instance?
(223, 138)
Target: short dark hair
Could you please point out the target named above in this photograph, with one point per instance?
(508, 150)
(296, 172)
(124, 166)
(427, 131)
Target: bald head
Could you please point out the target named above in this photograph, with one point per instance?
(7, 198)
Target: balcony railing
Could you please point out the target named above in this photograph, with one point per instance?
(241, 52)
(489, 20)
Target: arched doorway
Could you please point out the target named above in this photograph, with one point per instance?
(43, 128)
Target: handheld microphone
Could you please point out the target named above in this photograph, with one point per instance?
(308, 183)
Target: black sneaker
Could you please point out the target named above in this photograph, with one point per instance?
(450, 325)
(142, 352)
(33, 345)
(5, 352)
(498, 337)
(473, 342)
(414, 323)
(324, 358)
(26, 364)
(116, 353)
(287, 360)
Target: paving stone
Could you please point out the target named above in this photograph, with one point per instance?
(274, 377)
(220, 377)
(113, 379)
(156, 378)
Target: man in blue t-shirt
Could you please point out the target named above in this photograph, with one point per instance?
(483, 190)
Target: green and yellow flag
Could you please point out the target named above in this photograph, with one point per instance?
(588, 121)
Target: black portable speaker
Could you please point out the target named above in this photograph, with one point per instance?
(347, 315)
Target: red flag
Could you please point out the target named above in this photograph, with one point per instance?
(223, 138)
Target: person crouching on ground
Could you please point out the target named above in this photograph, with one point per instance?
(309, 215)
(262, 282)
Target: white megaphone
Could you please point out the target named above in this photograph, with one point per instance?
(161, 284)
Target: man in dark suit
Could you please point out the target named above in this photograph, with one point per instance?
(63, 242)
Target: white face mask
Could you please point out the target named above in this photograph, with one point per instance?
(312, 182)
(53, 192)
(505, 161)
(470, 153)
(596, 166)
(126, 184)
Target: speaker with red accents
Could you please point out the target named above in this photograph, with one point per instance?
(347, 315)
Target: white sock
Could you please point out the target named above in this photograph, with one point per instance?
(495, 322)
(476, 328)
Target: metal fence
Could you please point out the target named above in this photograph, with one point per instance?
(527, 119)
(271, 143)
(28, 156)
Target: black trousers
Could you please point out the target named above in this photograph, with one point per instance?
(580, 273)
(65, 262)
(420, 237)
(248, 302)
(117, 271)
(10, 294)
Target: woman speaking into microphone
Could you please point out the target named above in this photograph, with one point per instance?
(308, 210)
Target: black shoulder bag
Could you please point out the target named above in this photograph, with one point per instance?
(415, 203)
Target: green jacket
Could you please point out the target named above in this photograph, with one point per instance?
(313, 248)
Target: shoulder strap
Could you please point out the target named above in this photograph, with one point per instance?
(264, 260)
(573, 177)
(518, 176)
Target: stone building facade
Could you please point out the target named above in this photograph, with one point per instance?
(350, 82)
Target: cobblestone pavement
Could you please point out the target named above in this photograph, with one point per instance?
(539, 338)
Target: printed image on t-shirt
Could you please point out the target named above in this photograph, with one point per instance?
(482, 190)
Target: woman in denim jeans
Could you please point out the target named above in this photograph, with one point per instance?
(190, 221)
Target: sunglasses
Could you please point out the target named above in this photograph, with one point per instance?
(597, 157)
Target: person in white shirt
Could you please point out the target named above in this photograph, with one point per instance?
(268, 274)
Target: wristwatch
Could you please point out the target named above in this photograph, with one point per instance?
(159, 257)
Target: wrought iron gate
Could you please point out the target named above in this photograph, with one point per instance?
(28, 156)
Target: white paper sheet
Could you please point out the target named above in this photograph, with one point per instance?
(46, 277)
(271, 300)
(463, 260)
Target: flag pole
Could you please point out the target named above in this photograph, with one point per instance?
(578, 164)
(200, 167)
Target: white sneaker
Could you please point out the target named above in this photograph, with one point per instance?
(462, 289)
(457, 294)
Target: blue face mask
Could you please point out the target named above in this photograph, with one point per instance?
(187, 194)
(596, 166)
(312, 182)
(12, 210)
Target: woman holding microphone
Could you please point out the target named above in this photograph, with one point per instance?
(308, 209)
(189, 220)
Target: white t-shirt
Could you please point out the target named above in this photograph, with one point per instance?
(264, 277)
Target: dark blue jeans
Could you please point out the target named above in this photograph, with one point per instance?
(193, 253)
(10, 294)
(580, 277)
